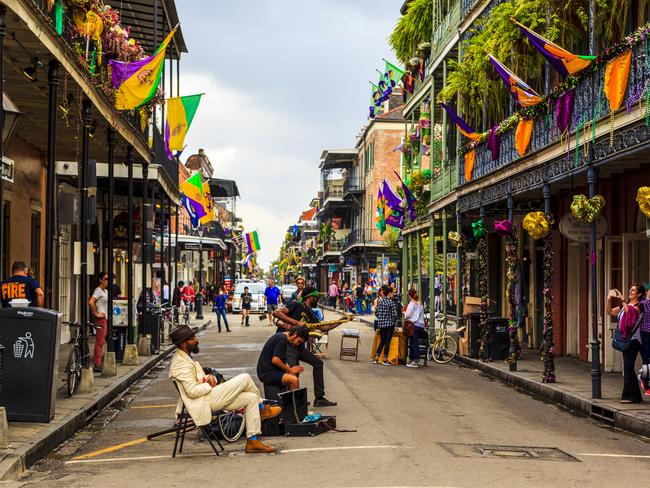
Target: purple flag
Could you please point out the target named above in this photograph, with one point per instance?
(410, 198)
(394, 217)
(564, 109)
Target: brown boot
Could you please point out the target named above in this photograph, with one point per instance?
(258, 447)
(269, 412)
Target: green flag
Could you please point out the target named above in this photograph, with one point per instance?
(392, 73)
(380, 215)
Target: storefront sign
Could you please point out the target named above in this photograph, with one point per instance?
(452, 255)
(578, 231)
(7, 169)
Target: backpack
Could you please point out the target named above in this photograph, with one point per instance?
(621, 342)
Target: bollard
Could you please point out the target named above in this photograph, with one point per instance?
(144, 345)
(4, 429)
(87, 382)
(130, 357)
(110, 366)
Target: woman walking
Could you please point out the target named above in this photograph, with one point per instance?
(628, 314)
(220, 300)
(415, 314)
(386, 318)
(98, 303)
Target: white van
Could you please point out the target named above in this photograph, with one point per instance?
(258, 303)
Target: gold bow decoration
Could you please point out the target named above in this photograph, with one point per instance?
(587, 209)
(643, 199)
(454, 238)
(537, 225)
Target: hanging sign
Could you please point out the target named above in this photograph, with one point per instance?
(579, 231)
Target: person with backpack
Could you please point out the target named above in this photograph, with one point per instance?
(415, 315)
(628, 336)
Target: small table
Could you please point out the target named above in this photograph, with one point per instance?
(396, 351)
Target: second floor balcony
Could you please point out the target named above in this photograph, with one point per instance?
(362, 238)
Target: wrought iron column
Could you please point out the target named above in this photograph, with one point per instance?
(161, 226)
(459, 267)
(176, 250)
(445, 284)
(130, 161)
(548, 348)
(171, 277)
(111, 142)
(3, 31)
(592, 180)
(50, 213)
(513, 353)
(83, 199)
(143, 231)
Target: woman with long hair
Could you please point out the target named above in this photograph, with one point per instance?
(386, 318)
(98, 303)
(415, 313)
(629, 314)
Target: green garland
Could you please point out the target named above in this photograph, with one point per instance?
(513, 276)
(546, 106)
(548, 348)
(482, 255)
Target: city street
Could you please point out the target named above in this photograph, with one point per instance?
(414, 427)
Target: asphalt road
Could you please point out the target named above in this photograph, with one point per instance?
(415, 428)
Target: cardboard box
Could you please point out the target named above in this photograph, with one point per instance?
(463, 345)
(471, 304)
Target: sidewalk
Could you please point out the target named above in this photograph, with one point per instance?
(572, 390)
(30, 441)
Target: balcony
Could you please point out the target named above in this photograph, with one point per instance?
(446, 30)
(353, 186)
(546, 134)
(445, 182)
(331, 248)
(362, 238)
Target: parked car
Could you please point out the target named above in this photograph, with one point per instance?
(258, 303)
(287, 291)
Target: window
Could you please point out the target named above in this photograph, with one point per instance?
(372, 154)
(34, 263)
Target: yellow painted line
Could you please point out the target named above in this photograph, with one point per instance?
(138, 458)
(630, 456)
(111, 449)
(166, 405)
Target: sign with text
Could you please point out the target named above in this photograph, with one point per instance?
(578, 231)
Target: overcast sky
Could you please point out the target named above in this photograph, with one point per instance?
(284, 79)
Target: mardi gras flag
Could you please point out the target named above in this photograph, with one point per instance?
(180, 113)
(392, 74)
(197, 193)
(380, 213)
(563, 61)
(410, 198)
(194, 210)
(136, 82)
(463, 127)
(517, 87)
(253, 242)
(393, 209)
(375, 106)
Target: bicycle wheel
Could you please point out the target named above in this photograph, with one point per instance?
(445, 351)
(71, 369)
(231, 426)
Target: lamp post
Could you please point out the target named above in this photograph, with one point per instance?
(400, 245)
(199, 297)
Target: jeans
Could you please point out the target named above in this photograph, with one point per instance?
(645, 347)
(369, 301)
(414, 343)
(386, 334)
(359, 303)
(331, 301)
(100, 337)
(221, 312)
(295, 354)
(631, 389)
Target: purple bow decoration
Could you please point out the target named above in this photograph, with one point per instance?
(564, 109)
(503, 227)
(494, 143)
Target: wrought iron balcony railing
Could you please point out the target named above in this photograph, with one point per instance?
(361, 237)
(353, 185)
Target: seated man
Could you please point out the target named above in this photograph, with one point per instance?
(202, 395)
(272, 367)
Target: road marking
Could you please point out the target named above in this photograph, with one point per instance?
(111, 449)
(166, 405)
(633, 456)
(85, 458)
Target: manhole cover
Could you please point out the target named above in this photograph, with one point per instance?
(508, 452)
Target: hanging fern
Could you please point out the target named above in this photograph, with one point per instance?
(412, 29)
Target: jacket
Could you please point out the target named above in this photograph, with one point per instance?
(195, 394)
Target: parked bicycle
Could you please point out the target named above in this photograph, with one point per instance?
(79, 356)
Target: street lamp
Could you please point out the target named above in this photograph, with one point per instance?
(199, 297)
(400, 245)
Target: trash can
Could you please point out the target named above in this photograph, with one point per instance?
(474, 329)
(150, 325)
(28, 381)
(499, 338)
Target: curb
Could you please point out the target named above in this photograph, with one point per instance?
(585, 407)
(14, 464)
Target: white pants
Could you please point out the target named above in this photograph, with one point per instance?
(237, 393)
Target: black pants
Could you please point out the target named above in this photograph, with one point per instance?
(386, 334)
(631, 389)
(295, 354)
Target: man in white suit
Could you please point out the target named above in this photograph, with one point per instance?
(202, 395)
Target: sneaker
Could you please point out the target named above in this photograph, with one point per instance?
(412, 364)
(323, 402)
(374, 361)
(385, 363)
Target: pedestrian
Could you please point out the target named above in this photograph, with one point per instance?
(220, 300)
(21, 286)
(369, 296)
(415, 314)
(246, 300)
(332, 294)
(300, 285)
(177, 299)
(386, 319)
(273, 299)
(115, 289)
(300, 313)
(358, 298)
(165, 293)
(98, 303)
(628, 314)
(345, 291)
(645, 327)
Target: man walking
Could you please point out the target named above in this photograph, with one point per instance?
(332, 294)
(202, 395)
(21, 286)
(273, 299)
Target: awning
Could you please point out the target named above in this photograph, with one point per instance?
(190, 242)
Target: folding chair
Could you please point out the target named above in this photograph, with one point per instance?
(184, 424)
(352, 347)
(318, 342)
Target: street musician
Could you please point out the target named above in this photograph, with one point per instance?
(299, 313)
